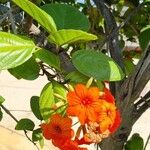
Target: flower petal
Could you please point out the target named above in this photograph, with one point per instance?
(93, 93)
(82, 116)
(97, 105)
(45, 131)
(58, 128)
(116, 122)
(104, 124)
(73, 110)
(81, 91)
(92, 116)
(108, 96)
(73, 99)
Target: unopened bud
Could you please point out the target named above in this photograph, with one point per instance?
(101, 93)
(89, 82)
(70, 87)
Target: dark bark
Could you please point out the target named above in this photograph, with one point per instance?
(113, 42)
(127, 91)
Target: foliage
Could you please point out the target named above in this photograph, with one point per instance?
(25, 124)
(15, 50)
(136, 142)
(79, 48)
(111, 71)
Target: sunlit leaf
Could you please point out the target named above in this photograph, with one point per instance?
(14, 50)
(38, 14)
(41, 142)
(67, 36)
(46, 101)
(59, 89)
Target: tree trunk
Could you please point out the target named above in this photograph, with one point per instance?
(111, 144)
(128, 90)
(117, 140)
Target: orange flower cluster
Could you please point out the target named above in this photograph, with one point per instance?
(59, 131)
(97, 115)
(95, 110)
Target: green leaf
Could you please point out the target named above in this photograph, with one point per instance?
(14, 50)
(59, 89)
(41, 143)
(28, 70)
(135, 143)
(37, 135)
(25, 124)
(1, 100)
(61, 110)
(77, 77)
(100, 85)
(146, 1)
(34, 103)
(144, 37)
(49, 58)
(67, 36)
(97, 65)
(67, 17)
(46, 101)
(1, 114)
(38, 14)
(129, 66)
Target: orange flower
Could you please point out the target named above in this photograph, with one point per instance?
(84, 103)
(58, 128)
(116, 123)
(107, 96)
(107, 115)
(67, 145)
(84, 140)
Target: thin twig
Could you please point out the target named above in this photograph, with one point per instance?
(9, 113)
(75, 123)
(7, 14)
(135, 83)
(147, 142)
(137, 113)
(143, 99)
(3, 17)
(111, 35)
(20, 110)
(45, 72)
(16, 120)
(13, 26)
(143, 74)
(25, 132)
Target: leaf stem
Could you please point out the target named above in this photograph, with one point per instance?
(16, 120)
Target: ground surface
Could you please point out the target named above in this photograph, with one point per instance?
(17, 95)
